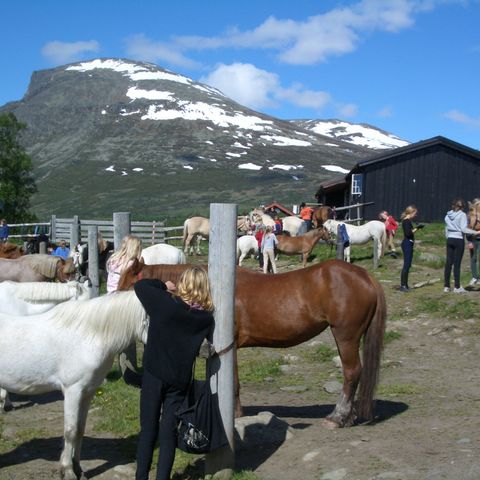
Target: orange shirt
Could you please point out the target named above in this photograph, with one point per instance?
(306, 213)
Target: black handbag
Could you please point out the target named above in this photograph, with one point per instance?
(199, 423)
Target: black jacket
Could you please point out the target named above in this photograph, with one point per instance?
(175, 333)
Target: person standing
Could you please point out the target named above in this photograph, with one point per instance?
(4, 230)
(267, 248)
(130, 249)
(474, 247)
(62, 250)
(407, 244)
(456, 226)
(180, 319)
(306, 214)
(391, 227)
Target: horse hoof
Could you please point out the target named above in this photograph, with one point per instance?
(330, 424)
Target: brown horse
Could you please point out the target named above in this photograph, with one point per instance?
(287, 309)
(10, 250)
(321, 215)
(303, 244)
(36, 268)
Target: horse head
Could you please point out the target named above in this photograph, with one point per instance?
(130, 275)
(474, 214)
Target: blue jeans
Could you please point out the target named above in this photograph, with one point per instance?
(474, 253)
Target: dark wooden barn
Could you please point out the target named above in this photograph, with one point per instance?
(429, 174)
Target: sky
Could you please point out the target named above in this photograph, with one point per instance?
(410, 67)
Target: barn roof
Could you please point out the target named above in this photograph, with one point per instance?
(280, 207)
(439, 140)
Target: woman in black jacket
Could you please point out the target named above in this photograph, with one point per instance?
(180, 319)
(407, 244)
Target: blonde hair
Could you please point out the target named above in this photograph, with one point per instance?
(130, 248)
(102, 243)
(411, 209)
(194, 288)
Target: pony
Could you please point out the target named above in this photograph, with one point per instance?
(36, 268)
(474, 214)
(303, 244)
(163, 253)
(292, 224)
(286, 309)
(245, 245)
(360, 234)
(259, 216)
(197, 227)
(321, 215)
(80, 256)
(10, 250)
(70, 348)
(34, 298)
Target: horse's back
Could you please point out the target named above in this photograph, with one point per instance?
(162, 253)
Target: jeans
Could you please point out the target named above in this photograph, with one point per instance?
(158, 403)
(407, 249)
(474, 253)
(455, 249)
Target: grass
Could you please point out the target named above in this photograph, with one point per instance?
(398, 390)
(253, 370)
(390, 336)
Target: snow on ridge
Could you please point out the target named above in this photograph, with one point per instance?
(135, 93)
(360, 135)
(285, 167)
(285, 141)
(249, 166)
(335, 168)
(204, 111)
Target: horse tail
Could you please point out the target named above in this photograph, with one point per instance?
(185, 232)
(372, 351)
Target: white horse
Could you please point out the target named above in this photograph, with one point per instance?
(292, 224)
(360, 234)
(69, 348)
(245, 245)
(163, 254)
(197, 227)
(34, 298)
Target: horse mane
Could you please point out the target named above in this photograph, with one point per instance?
(112, 318)
(43, 264)
(46, 291)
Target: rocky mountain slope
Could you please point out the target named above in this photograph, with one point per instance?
(117, 135)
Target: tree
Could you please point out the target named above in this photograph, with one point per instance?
(17, 184)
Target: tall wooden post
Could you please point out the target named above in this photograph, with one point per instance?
(375, 252)
(222, 272)
(93, 272)
(74, 232)
(53, 229)
(122, 226)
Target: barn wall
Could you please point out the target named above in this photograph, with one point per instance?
(430, 178)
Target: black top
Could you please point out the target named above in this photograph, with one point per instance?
(175, 333)
(407, 226)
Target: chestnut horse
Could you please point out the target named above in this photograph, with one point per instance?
(10, 250)
(36, 268)
(289, 308)
(321, 215)
(303, 244)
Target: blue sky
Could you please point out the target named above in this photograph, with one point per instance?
(409, 67)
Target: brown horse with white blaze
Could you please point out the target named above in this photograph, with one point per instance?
(284, 310)
(303, 244)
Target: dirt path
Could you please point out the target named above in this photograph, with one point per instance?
(427, 414)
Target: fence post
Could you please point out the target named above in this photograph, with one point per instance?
(222, 272)
(122, 226)
(375, 252)
(74, 232)
(93, 272)
(340, 245)
(53, 229)
(42, 248)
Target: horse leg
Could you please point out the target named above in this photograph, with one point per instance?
(198, 239)
(72, 405)
(242, 257)
(5, 403)
(343, 415)
(236, 383)
(346, 254)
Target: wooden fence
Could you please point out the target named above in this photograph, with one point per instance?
(60, 229)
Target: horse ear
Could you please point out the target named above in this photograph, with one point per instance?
(470, 205)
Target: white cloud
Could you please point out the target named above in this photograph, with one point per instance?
(257, 88)
(463, 118)
(65, 52)
(245, 83)
(142, 48)
(347, 110)
(385, 112)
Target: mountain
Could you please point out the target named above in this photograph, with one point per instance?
(118, 135)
